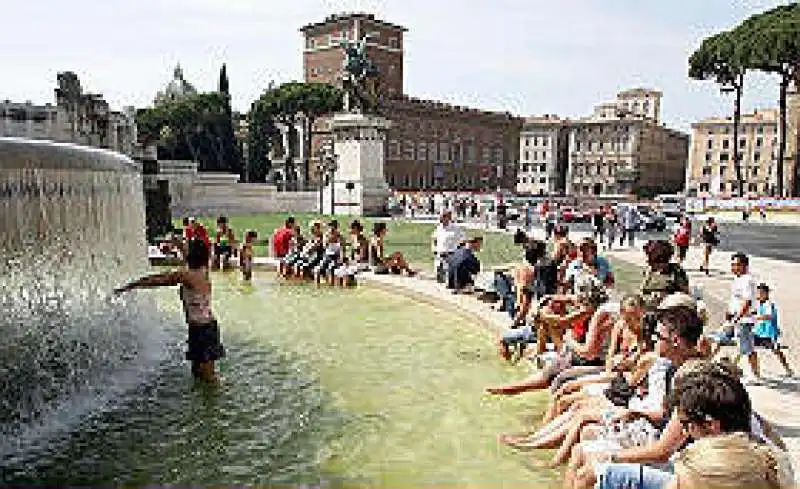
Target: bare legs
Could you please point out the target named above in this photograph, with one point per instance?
(205, 371)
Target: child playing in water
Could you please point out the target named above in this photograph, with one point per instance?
(246, 255)
(204, 343)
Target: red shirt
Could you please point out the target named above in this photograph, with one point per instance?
(281, 239)
(197, 233)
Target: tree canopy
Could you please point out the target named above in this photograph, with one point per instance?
(287, 104)
(767, 42)
(189, 128)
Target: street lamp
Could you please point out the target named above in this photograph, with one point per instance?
(327, 165)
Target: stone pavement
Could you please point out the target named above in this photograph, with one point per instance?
(786, 218)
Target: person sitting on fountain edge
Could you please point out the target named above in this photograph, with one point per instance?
(205, 347)
(463, 265)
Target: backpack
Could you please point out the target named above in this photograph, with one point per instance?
(545, 277)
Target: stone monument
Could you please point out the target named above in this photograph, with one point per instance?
(356, 183)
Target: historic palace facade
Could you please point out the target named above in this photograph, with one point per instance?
(431, 145)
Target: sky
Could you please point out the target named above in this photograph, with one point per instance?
(527, 57)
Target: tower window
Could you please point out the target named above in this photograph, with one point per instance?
(393, 43)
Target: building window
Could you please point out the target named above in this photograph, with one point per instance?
(422, 181)
(394, 149)
(311, 43)
(545, 140)
(527, 142)
(752, 187)
(760, 130)
(577, 145)
(433, 149)
(726, 143)
(408, 150)
(704, 187)
(724, 157)
(406, 181)
(444, 151)
(422, 151)
(756, 156)
(527, 156)
(755, 172)
(759, 141)
(706, 170)
(391, 180)
(708, 156)
(542, 180)
(722, 171)
(394, 43)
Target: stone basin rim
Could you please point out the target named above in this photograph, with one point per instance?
(35, 154)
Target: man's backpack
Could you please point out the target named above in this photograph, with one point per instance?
(545, 277)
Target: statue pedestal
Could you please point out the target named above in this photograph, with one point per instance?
(359, 184)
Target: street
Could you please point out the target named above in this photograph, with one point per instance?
(778, 242)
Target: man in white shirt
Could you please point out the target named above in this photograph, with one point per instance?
(445, 239)
(741, 307)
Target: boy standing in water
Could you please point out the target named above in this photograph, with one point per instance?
(246, 255)
(204, 343)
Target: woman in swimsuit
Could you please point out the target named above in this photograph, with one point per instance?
(205, 347)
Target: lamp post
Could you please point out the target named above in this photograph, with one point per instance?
(736, 87)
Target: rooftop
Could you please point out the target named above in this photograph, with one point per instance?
(347, 16)
(638, 92)
(759, 116)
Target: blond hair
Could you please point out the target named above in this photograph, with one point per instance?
(728, 462)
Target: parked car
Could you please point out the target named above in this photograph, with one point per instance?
(650, 220)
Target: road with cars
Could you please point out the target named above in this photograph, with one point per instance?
(774, 241)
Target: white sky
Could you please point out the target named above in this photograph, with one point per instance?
(524, 56)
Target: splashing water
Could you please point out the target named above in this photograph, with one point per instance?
(71, 228)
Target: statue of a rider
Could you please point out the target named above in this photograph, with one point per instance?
(358, 79)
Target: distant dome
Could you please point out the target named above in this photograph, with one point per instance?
(176, 89)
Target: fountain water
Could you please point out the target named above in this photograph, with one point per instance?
(71, 227)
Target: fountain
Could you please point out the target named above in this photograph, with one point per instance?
(71, 227)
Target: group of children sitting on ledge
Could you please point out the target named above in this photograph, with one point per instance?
(224, 250)
(325, 255)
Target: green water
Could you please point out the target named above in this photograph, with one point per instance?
(339, 388)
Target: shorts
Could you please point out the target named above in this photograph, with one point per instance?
(614, 476)
(682, 251)
(721, 338)
(744, 333)
(204, 343)
(762, 342)
(327, 265)
(516, 336)
(221, 250)
(292, 258)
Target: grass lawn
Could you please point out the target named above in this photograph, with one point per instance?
(414, 241)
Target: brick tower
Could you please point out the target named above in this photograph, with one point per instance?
(323, 57)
